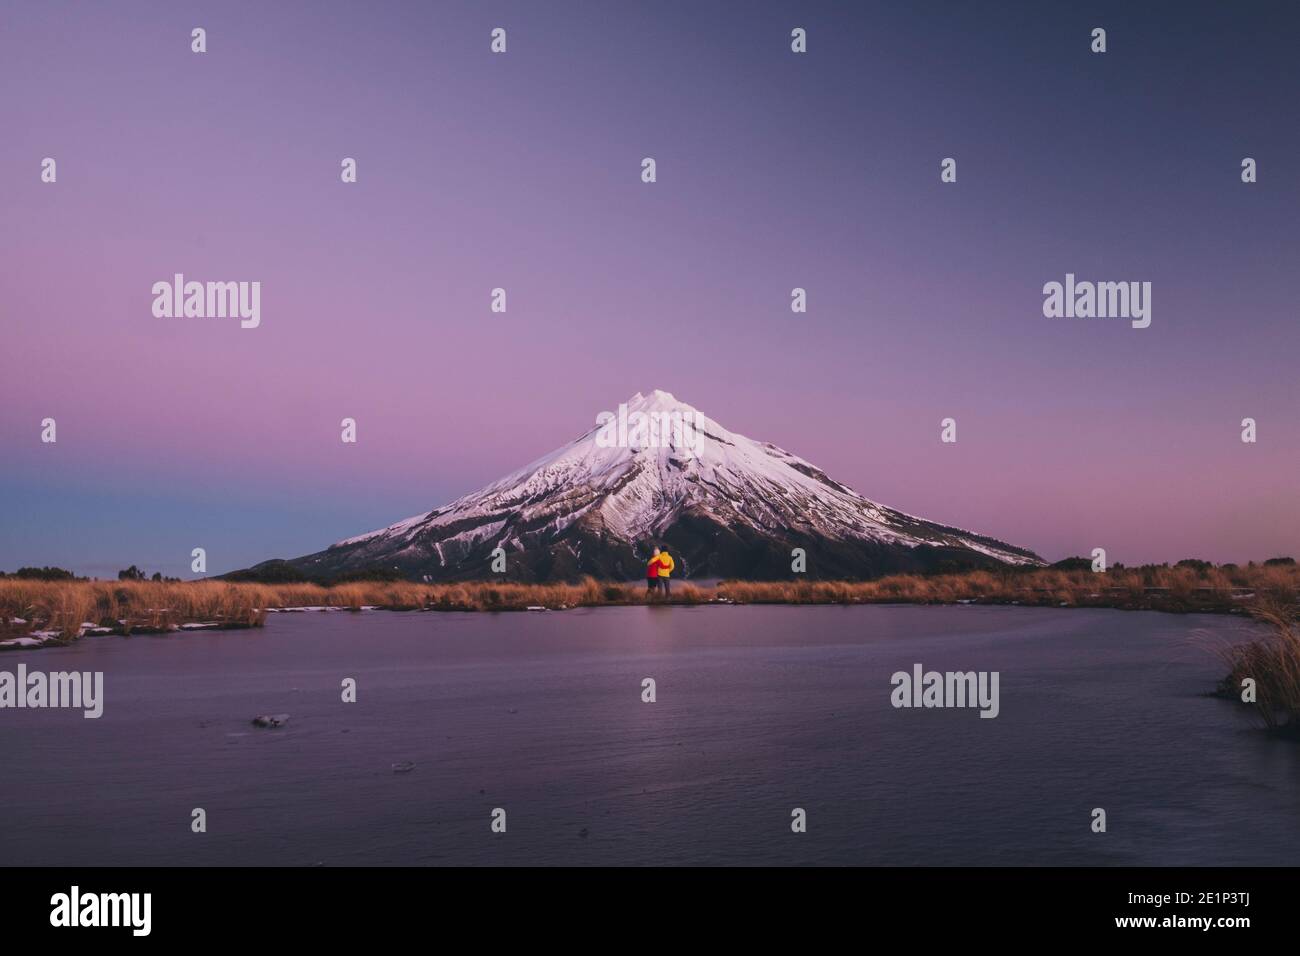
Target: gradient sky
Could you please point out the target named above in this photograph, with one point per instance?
(775, 170)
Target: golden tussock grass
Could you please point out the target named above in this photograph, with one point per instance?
(1272, 662)
(160, 606)
(1158, 588)
(127, 606)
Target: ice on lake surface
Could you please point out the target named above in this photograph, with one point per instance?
(759, 710)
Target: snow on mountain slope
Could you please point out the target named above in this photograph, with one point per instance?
(595, 505)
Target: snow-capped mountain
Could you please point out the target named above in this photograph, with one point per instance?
(659, 472)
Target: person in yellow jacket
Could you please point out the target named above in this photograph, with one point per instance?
(666, 566)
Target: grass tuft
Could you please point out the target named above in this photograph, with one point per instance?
(1273, 662)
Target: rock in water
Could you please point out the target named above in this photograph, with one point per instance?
(271, 720)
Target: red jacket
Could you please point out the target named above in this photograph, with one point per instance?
(652, 569)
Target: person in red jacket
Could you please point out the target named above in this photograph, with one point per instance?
(652, 574)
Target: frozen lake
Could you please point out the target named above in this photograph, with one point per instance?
(759, 710)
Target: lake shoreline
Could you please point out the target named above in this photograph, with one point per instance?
(38, 612)
(123, 628)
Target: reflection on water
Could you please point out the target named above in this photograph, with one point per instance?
(759, 710)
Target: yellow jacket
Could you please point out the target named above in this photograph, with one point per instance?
(666, 564)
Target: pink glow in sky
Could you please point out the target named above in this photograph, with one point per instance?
(522, 171)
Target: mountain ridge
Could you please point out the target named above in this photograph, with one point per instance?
(658, 471)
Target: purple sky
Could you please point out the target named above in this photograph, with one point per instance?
(775, 170)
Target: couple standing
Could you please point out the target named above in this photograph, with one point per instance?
(657, 571)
